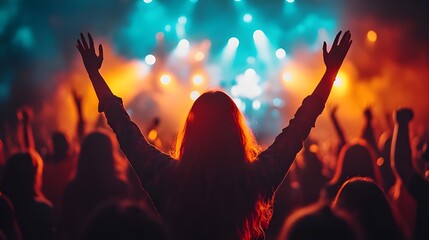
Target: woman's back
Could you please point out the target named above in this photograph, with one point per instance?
(96, 181)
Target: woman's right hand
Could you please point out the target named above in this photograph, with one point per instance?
(335, 57)
(90, 59)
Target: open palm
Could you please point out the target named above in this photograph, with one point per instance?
(335, 57)
(90, 59)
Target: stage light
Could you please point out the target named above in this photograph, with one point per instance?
(183, 44)
(229, 51)
(165, 79)
(287, 77)
(167, 28)
(182, 48)
(247, 18)
(234, 42)
(338, 82)
(197, 79)
(250, 72)
(263, 48)
(194, 95)
(150, 59)
(280, 53)
(199, 56)
(278, 102)
(152, 135)
(371, 36)
(182, 20)
(256, 105)
(341, 83)
(258, 35)
(290, 1)
(147, 1)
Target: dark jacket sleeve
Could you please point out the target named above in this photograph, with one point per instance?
(150, 164)
(272, 164)
(419, 189)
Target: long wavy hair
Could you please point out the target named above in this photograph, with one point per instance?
(214, 152)
(356, 160)
(366, 201)
(98, 160)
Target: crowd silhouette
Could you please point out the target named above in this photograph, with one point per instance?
(217, 182)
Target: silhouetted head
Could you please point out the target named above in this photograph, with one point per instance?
(356, 159)
(96, 158)
(60, 145)
(365, 200)
(215, 134)
(124, 220)
(319, 221)
(22, 176)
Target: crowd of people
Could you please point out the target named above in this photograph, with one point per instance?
(216, 183)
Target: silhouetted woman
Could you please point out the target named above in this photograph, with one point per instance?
(217, 185)
(355, 160)
(320, 221)
(365, 200)
(96, 181)
(21, 183)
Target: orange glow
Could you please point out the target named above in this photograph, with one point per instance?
(199, 56)
(371, 36)
(380, 162)
(341, 82)
(153, 134)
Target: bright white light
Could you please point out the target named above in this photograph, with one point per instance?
(263, 48)
(287, 76)
(258, 35)
(194, 95)
(182, 20)
(250, 72)
(290, 1)
(338, 81)
(183, 44)
(256, 105)
(247, 85)
(199, 56)
(280, 53)
(165, 79)
(147, 1)
(197, 79)
(182, 48)
(229, 51)
(234, 42)
(277, 102)
(150, 59)
(247, 18)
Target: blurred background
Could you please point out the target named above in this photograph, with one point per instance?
(160, 55)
